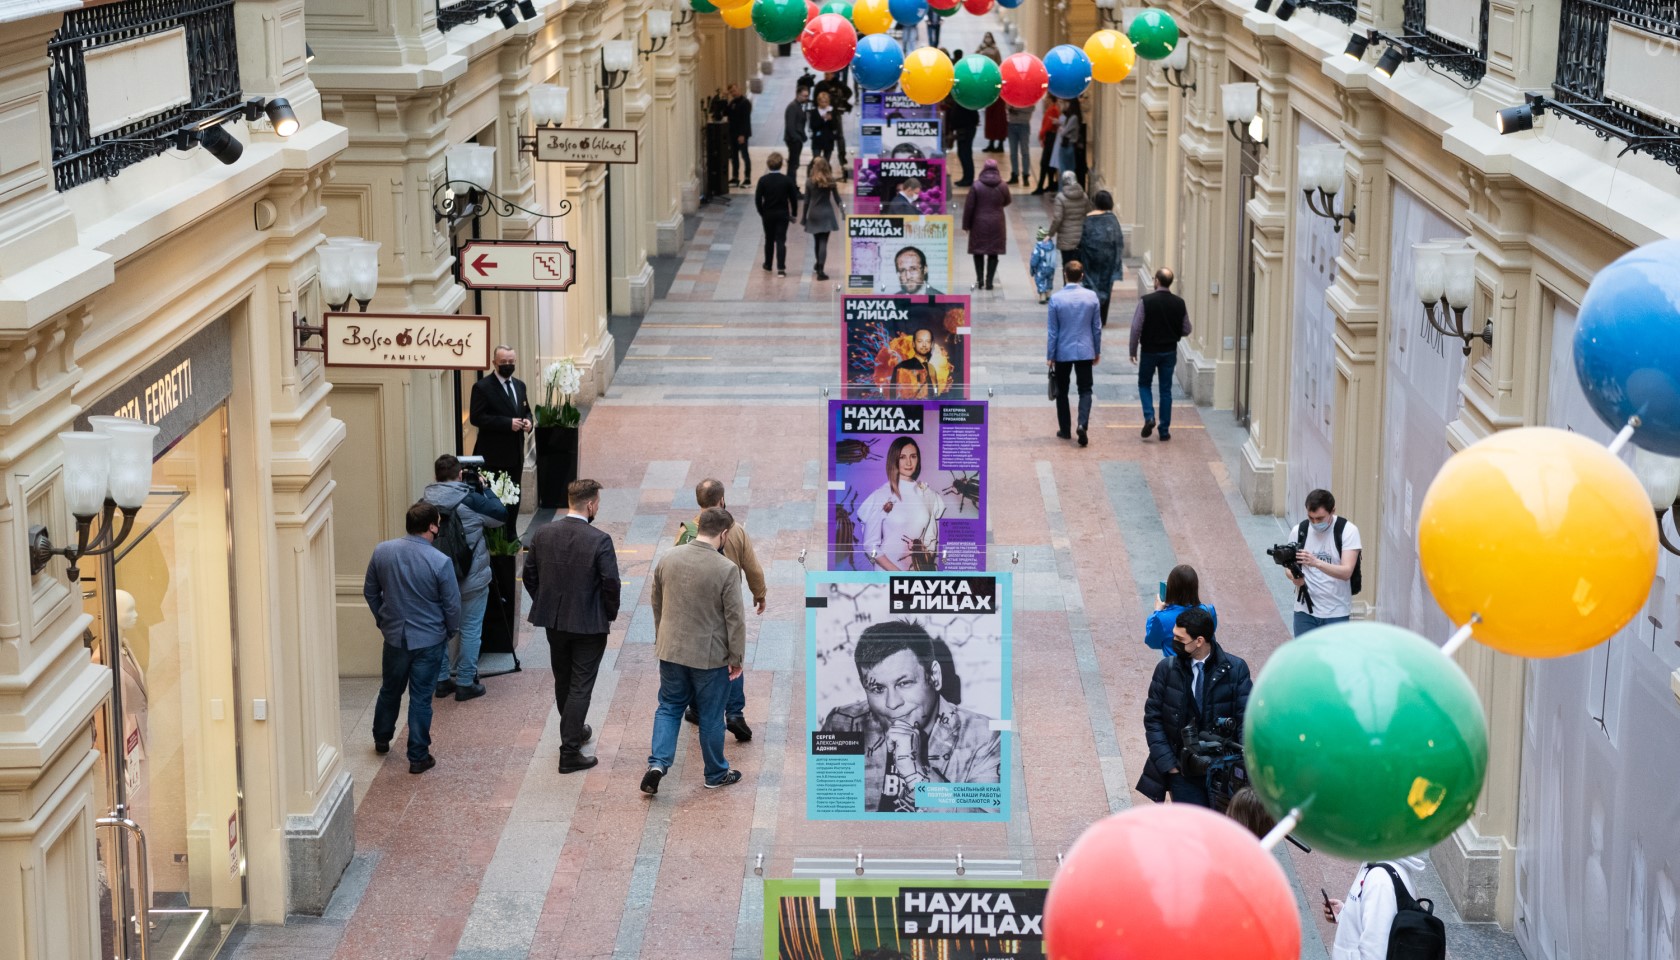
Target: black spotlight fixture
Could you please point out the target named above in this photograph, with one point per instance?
(1262, 5)
(1356, 46)
(280, 115)
(528, 9)
(507, 16)
(1285, 9)
(1391, 60)
(1520, 117)
(308, 53)
(220, 144)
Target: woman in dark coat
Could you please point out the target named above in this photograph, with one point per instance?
(1101, 248)
(983, 218)
(996, 119)
(823, 213)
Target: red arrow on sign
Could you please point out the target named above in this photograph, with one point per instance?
(479, 265)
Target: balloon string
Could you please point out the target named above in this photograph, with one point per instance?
(1461, 637)
(1284, 826)
(1623, 437)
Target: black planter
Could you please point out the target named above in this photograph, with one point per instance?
(502, 609)
(557, 464)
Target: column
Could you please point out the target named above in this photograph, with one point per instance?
(1208, 230)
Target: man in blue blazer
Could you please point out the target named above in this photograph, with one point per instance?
(1075, 346)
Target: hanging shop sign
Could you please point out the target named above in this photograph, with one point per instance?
(406, 341)
(178, 391)
(588, 146)
(517, 265)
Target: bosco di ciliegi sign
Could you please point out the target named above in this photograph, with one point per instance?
(407, 341)
(588, 146)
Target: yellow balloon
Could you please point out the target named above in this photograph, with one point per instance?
(927, 76)
(1545, 534)
(871, 16)
(723, 5)
(1112, 56)
(738, 17)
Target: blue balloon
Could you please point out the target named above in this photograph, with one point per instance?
(1627, 345)
(1010, 4)
(1069, 69)
(907, 12)
(878, 62)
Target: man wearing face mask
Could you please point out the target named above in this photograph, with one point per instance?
(1327, 552)
(1197, 688)
(501, 411)
(571, 573)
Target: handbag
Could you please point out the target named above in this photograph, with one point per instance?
(1050, 378)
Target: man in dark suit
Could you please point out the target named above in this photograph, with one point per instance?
(572, 575)
(501, 410)
(777, 200)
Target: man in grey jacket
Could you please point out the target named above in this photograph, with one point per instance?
(478, 509)
(796, 118)
(699, 625)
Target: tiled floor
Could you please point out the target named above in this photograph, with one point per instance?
(493, 854)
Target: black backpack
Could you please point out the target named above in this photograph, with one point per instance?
(1417, 934)
(1357, 581)
(452, 540)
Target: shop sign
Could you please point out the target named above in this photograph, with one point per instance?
(588, 146)
(179, 391)
(518, 265)
(406, 341)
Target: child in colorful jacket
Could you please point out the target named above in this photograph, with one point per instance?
(1043, 264)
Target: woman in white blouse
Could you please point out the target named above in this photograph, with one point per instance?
(901, 517)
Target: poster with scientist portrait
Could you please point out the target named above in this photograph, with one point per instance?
(907, 485)
(908, 696)
(904, 348)
(898, 254)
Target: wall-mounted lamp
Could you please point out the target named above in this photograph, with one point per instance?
(1261, 6)
(1391, 59)
(1357, 45)
(470, 168)
(1444, 276)
(1285, 9)
(1594, 116)
(210, 133)
(658, 31)
(1176, 63)
(617, 57)
(349, 271)
(1320, 173)
(1660, 476)
(549, 102)
(685, 15)
(1106, 12)
(1242, 113)
(106, 470)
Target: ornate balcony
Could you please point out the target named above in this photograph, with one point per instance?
(1441, 53)
(1583, 54)
(1344, 10)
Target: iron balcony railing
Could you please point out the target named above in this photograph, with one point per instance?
(1447, 56)
(212, 65)
(1583, 48)
(1344, 10)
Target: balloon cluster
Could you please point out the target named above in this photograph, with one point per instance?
(854, 32)
(1367, 740)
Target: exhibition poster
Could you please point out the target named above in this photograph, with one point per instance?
(907, 485)
(876, 182)
(904, 919)
(896, 254)
(907, 696)
(904, 348)
(902, 138)
(880, 106)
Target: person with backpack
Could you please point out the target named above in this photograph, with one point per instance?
(466, 508)
(1382, 918)
(738, 549)
(1327, 552)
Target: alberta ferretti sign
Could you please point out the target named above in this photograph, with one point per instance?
(588, 146)
(176, 392)
(408, 341)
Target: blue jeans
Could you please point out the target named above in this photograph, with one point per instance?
(417, 670)
(1150, 366)
(736, 705)
(707, 689)
(1020, 162)
(461, 665)
(1306, 621)
(1185, 789)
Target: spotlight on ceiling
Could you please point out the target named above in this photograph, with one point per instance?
(527, 9)
(507, 16)
(280, 114)
(1285, 9)
(1391, 60)
(1356, 46)
(221, 144)
(1262, 5)
(1520, 117)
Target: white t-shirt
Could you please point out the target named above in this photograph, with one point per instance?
(1330, 597)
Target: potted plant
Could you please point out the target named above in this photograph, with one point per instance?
(502, 609)
(557, 433)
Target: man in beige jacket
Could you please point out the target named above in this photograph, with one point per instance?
(738, 547)
(699, 624)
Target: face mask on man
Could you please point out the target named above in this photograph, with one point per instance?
(1178, 646)
(505, 369)
(1321, 526)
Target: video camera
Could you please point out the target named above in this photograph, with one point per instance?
(1286, 555)
(1217, 754)
(472, 471)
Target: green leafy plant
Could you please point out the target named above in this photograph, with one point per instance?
(561, 381)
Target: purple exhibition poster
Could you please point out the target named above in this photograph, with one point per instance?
(876, 182)
(879, 105)
(904, 348)
(907, 485)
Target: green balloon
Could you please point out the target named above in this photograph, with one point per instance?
(779, 21)
(1375, 736)
(946, 13)
(842, 7)
(701, 6)
(977, 82)
(1153, 33)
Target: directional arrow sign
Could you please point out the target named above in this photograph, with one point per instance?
(517, 265)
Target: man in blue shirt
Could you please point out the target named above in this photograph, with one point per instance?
(410, 587)
(1075, 346)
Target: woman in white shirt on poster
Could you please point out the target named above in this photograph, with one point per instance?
(901, 518)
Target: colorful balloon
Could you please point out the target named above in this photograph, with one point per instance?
(740, 17)
(734, 4)
(1069, 69)
(1112, 56)
(778, 21)
(1627, 344)
(1153, 33)
(1024, 79)
(878, 62)
(1009, 4)
(976, 82)
(1170, 880)
(947, 6)
(1545, 534)
(842, 7)
(907, 12)
(1374, 735)
(946, 12)
(829, 42)
(871, 16)
(928, 75)
(811, 11)
(977, 7)
(701, 6)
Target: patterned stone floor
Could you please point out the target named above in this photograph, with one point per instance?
(493, 854)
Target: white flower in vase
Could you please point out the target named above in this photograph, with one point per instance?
(502, 485)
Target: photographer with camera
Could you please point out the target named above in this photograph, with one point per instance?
(1194, 714)
(465, 508)
(1322, 563)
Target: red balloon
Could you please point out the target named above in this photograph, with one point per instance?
(977, 7)
(1024, 79)
(811, 11)
(944, 4)
(1170, 880)
(829, 42)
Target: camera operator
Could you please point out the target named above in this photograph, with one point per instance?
(1326, 569)
(1202, 688)
(463, 492)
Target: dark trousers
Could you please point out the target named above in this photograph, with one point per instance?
(1068, 256)
(795, 148)
(1185, 789)
(819, 252)
(1046, 163)
(775, 242)
(985, 268)
(418, 671)
(740, 161)
(575, 659)
(1064, 371)
(1150, 367)
(1103, 307)
(965, 155)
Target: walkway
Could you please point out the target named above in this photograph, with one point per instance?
(493, 854)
